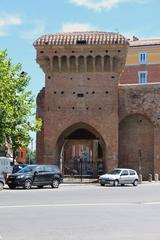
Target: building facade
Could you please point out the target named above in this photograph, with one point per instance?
(21, 155)
(143, 62)
(83, 103)
(8, 151)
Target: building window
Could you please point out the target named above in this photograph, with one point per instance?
(143, 58)
(142, 77)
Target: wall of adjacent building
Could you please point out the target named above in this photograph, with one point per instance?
(133, 64)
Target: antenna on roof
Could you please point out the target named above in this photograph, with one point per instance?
(135, 38)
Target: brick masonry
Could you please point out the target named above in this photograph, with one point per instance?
(130, 73)
(82, 91)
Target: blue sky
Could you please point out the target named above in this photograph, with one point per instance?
(23, 21)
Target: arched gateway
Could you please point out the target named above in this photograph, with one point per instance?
(82, 151)
(79, 104)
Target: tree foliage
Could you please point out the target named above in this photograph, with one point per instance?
(16, 104)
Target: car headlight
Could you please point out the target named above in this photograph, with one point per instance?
(21, 176)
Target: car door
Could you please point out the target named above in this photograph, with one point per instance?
(124, 177)
(132, 176)
(48, 173)
(39, 175)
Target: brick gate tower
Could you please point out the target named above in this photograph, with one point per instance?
(80, 99)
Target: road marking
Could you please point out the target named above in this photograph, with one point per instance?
(79, 204)
(64, 205)
(152, 203)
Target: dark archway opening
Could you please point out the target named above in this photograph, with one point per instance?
(81, 134)
(82, 154)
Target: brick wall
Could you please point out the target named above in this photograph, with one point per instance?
(130, 73)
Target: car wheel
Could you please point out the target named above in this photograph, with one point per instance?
(11, 186)
(1, 186)
(135, 183)
(102, 184)
(115, 183)
(28, 184)
(41, 186)
(55, 183)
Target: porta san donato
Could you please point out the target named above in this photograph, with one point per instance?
(91, 121)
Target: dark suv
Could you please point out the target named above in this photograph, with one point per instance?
(18, 167)
(36, 175)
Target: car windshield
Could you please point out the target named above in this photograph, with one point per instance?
(115, 171)
(27, 169)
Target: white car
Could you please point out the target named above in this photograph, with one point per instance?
(6, 165)
(119, 176)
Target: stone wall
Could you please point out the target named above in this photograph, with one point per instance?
(139, 129)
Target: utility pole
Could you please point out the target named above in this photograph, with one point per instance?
(140, 165)
(140, 160)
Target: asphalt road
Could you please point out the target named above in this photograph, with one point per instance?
(81, 212)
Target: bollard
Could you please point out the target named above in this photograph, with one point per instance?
(150, 177)
(140, 178)
(156, 177)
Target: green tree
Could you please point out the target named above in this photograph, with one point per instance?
(16, 105)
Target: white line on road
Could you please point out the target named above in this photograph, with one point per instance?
(152, 203)
(79, 204)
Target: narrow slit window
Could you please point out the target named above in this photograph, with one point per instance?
(80, 95)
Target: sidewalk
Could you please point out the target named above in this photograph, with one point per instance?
(72, 180)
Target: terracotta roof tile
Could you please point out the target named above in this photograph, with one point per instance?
(88, 38)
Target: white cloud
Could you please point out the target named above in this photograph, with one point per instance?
(76, 27)
(7, 21)
(10, 21)
(30, 31)
(99, 5)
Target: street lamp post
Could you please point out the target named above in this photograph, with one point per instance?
(140, 160)
(80, 160)
(140, 164)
